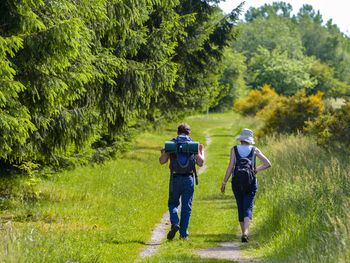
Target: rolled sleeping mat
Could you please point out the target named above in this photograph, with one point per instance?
(185, 147)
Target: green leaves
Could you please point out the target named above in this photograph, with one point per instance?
(81, 73)
(286, 75)
(293, 53)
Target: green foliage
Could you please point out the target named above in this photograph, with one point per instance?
(292, 53)
(274, 33)
(325, 42)
(233, 79)
(332, 129)
(15, 122)
(256, 100)
(286, 75)
(81, 75)
(276, 9)
(325, 80)
(199, 55)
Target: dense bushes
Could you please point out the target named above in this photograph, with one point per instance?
(289, 114)
(333, 128)
(256, 100)
(299, 113)
(282, 114)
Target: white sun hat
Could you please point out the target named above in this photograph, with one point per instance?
(246, 136)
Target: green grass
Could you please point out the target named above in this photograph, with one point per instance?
(92, 214)
(214, 216)
(106, 213)
(303, 204)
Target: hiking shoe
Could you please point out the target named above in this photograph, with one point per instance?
(244, 238)
(183, 238)
(172, 232)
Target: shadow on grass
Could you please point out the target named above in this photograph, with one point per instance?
(217, 197)
(136, 158)
(147, 148)
(215, 238)
(184, 258)
(124, 242)
(222, 135)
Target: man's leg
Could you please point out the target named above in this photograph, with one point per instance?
(186, 205)
(173, 203)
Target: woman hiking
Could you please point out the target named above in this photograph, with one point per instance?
(244, 183)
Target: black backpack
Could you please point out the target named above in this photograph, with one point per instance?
(243, 177)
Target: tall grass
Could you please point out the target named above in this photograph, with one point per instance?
(92, 214)
(303, 203)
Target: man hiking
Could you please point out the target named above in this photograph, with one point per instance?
(182, 177)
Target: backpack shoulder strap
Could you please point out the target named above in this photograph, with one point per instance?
(236, 153)
(253, 157)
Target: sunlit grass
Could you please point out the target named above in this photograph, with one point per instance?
(302, 208)
(92, 214)
(105, 213)
(214, 216)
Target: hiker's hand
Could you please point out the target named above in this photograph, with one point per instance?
(223, 187)
(163, 156)
(200, 148)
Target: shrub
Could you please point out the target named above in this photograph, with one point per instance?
(333, 128)
(289, 114)
(256, 100)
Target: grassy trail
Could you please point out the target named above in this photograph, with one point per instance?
(106, 213)
(213, 217)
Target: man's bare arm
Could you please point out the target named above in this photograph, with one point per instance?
(200, 156)
(164, 157)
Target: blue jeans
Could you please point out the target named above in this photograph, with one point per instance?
(245, 203)
(181, 187)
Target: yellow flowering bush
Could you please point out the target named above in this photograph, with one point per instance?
(288, 114)
(256, 100)
(333, 128)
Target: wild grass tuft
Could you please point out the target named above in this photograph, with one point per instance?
(302, 204)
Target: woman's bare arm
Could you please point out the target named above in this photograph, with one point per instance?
(265, 162)
(229, 169)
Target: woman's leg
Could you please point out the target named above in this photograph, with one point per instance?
(248, 202)
(246, 224)
(240, 209)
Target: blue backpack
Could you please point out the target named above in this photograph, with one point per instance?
(182, 162)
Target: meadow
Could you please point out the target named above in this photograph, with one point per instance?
(105, 213)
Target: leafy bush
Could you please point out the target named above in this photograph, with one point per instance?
(286, 75)
(256, 100)
(333, 128)
(289, 114)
